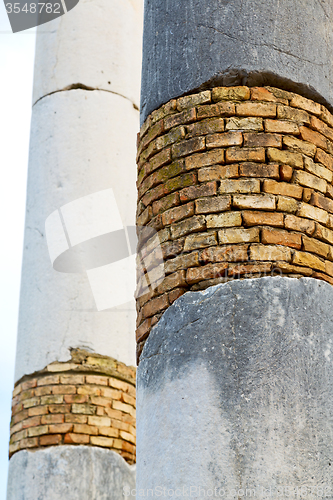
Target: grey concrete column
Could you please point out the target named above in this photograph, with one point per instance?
(83, 133)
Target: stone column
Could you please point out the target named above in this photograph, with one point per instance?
(73, 424)
(235, 167)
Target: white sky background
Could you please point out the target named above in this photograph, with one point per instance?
(16, 70)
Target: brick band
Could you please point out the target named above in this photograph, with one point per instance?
(89, 400)
(238, 183)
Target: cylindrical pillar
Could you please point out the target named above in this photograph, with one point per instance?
(73, 424)
(235, 169)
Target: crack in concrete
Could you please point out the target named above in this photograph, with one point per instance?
(82, 86)
(256, 44)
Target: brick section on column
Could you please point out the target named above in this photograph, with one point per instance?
(87, 401)
(238, 183)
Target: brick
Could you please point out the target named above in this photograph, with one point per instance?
(262, 140)
(307, 193)
(204, 159)
(99, 421)
(286, 204)
(295, 115)
(52, 419)
(71, 438)
(254, 202)
(234, 155)
(119, 384)
(64, 389)
(178, 213)
(283, 188)
(321, 127)
(239, 186)
(266, 110)
(28, 403)
(194, 192)
(310, 212)
(323, 277)
(193, 100)
(29, 384)
(322, 202)
(165, 203)
(249, 270)
(182, 261)
(145, 217)
(153, 132)
(83, 409)
(76, 398)
(326, 116)
(37, 410)
(219, 109)
(232, 253)
(213, 204)
(270, 253)
(239, 93)
(96, 379)
(204, 127)
(108, 431)
(16, 428)
(228, 219)
(308, 260)
(210, 271)
(155, 305)
(129, 399)
(38, 431)
(159, 160)
(236, 123)
(318, 169)
(101, 441)
(76, 419)
(174, 280)
(175, 135)
(271, 236)
(286, 173)
(218, 172)
(301, 102)
(187, 147)
(29, 443)
(262, 218)
(224, 140)
(27, 394)
(313, 137)
(299, 146)
(168, 109)
(329, 191)
(172, 248)
(17, 390)
(18, 436)
(49, 380)
(281, 127)
(309, 180)
(290, 269)
(89, 390)
(182, 118)
(298, 224)
(325, 158)
(108, 393)
(49, 400)
(31, 422)
(329, 267)
(87, 429)
(50, 440)
(324, 234)
(238, 235)
(59, 408)
(60, 428)
(180, 182)
(72, 379)
(196, 223)
(286, 157)
(117, 405)
(199, 240)
(263, 94)
(259, 170)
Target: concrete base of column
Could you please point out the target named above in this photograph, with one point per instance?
(235, 389)
(69, 473)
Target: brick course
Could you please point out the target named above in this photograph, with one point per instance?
(99, 403)
(238, 183)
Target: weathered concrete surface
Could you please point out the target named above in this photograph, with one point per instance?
(98, 44)
(187, 44)
(235, 388)
(69, 473)
(81, 143)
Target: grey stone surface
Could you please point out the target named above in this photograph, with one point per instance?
(234, 391)
(69, 473)
(232, 42)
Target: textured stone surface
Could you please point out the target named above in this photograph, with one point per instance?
(70, 158)
(235, 387)
(97, 45)
(76, 473)
(187, 44)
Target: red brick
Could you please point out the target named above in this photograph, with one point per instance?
(286, 173)
(262, 140)
(234, 155)
(259, 170)
(194, 192)
(60, 428)
(279, 237)
(76, 439)
(50, 440)
(187, 147)
(313, 137)
(321, 201)
(210, 271)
